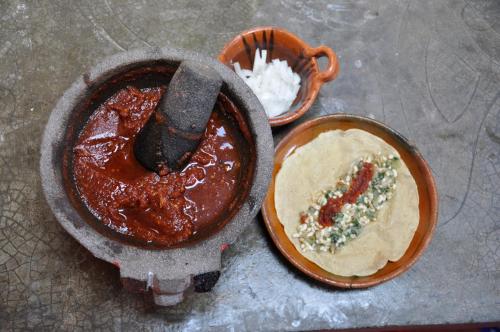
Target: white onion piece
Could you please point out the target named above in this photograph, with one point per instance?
(274, 83)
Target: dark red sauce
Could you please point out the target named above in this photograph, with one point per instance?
(358, 185)
(134, 201)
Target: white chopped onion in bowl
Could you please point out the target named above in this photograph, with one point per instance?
(274, 83)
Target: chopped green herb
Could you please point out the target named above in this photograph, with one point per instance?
(348, 223)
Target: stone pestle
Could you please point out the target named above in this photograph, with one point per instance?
(174, 131)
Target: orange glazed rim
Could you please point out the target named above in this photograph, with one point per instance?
(319, 78)
(420, 170)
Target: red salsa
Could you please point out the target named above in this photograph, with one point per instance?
(134, 201)
(358, 185)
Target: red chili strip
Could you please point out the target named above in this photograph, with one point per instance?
(358, 185)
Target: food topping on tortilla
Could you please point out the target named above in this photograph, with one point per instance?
(339, 214)
(359, 184)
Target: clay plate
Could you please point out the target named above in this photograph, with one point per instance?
(419, 169)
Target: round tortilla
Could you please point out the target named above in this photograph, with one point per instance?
(317, 166)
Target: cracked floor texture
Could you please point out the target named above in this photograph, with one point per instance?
(430, 69)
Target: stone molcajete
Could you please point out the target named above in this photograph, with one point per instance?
(169, 271)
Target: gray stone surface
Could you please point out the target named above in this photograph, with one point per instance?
(430, 69)
(187, 106)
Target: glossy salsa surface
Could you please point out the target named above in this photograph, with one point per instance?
(334, 205)
(162, 210)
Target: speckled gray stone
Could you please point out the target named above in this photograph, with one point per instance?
(430, 69)
(167, 272)
(184, 110)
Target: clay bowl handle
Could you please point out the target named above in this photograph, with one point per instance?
(333, 65)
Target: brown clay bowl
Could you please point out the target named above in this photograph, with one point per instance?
(300, 56)
(428, 206)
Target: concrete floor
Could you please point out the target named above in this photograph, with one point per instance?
(430, 69)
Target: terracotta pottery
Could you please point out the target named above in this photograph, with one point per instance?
(283, 45)
(428, 206)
